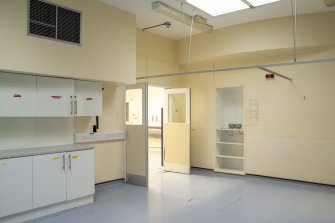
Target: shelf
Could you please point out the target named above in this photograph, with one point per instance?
(99, 136)
(229, 151)
(238, 172)
(231, 143)
(231, 157)
(230, 130)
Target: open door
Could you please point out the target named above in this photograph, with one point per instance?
(137, 134)
(177, 137)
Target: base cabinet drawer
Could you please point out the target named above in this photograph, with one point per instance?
(16, 192)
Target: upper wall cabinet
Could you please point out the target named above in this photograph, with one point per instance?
(31, 96)
(58, 97)
(55, 97)
(17, 95)
(88, 98)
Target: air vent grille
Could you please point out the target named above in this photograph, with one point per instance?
(42, 30)
(53, 21)
(43, 12)
(68, 25)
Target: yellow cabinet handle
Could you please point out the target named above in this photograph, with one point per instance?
(75, 157)
(55, 158)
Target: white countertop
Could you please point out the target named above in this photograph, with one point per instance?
(14, 153)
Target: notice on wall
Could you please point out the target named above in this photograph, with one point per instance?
(253, 110)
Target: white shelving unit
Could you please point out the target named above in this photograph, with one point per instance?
(229, 142)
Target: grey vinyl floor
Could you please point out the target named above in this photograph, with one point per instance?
(205, 197)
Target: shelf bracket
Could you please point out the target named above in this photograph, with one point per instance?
(275, 73)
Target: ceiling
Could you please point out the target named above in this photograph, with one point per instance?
(146, 17)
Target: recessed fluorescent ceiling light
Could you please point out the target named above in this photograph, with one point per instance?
(219, 7)
(261, 2)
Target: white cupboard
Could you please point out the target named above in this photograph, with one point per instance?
(55, 97)
(37, 96)
(16, 192)
(17, 95)
(88, 98)
(62, 176)
(80, 174)
(49, 179)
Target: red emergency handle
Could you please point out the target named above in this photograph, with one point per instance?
(89, 99)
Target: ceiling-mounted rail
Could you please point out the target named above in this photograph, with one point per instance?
(241, 68)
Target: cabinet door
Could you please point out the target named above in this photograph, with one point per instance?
(17, 95)
(89, 98)
(54, 97)
(16, 185)
(80, 174)
(49, 179)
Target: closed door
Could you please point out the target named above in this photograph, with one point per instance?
(55, 97)
(88, 101)
(137, 134)
(176, 133)
(80, 174)
(49, 179)
(17, 95)
(16, 192)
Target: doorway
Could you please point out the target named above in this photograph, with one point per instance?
(155, 105)
(148, 150)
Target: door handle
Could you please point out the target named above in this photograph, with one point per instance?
(63, 162)
(71, 102)
(70, 164)
(75, 105)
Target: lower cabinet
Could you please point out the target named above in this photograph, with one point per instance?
(62, 176)
(16, 192)
(49, 179)
(80, 174)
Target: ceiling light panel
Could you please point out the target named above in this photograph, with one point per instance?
(261, 2)
(218, 7)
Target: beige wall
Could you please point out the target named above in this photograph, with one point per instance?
(156, 55)
(201, 119)
(109, 156)
(287, 141)
(108, 50)
(275, 35)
